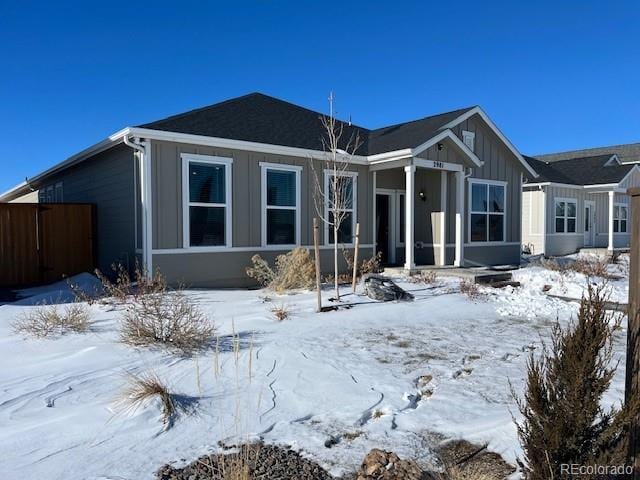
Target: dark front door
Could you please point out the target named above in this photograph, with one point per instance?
(382, 226)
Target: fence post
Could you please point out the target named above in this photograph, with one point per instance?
(355, 258)
(632, 389)
(316, 249)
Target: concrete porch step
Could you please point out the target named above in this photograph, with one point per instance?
(480, 275)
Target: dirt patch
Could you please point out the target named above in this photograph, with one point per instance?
(464, 460)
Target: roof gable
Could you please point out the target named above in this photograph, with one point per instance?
(594, 170)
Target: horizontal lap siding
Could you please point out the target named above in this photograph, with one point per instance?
(106, 180)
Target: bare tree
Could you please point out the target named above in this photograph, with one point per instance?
(334, 203)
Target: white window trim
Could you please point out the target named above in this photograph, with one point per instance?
(566, 217)
(487, 242)
(186, 230)
(264, 167)
(467, 135)
(327, 174)
(626, 206)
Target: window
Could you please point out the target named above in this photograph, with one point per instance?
(469, 139)
(566, 211)
(206, 187)
(280, 204)
(487, 211)
(620, 212)
(347, 188)
(59, 197)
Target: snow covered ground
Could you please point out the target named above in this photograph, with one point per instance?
(346, 379)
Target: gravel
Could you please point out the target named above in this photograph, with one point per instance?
(259, 461)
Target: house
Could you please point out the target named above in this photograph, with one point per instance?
(195, 195)
(579, 200)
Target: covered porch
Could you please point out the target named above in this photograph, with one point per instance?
(419, 205)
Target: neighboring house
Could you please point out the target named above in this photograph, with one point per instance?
(578, 201)
(197, 194)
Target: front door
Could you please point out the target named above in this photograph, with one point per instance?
(589, 217)
(382, 226)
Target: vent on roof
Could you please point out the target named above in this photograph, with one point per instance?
(469, 139)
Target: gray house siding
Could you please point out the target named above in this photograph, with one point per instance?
(227, 268)
(107, 181)
(567, 243)
(502, 165)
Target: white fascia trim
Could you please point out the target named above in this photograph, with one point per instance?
(459, 143)
(241, 145)
(496, 130)
(613, 159)
(78, 157)
(390, 156)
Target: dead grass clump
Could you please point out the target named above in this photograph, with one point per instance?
(591, 267)
(143, 388)
(470, 289)
(293, 270)
(427, 277)
(281, 312)
(46, 321)
(167, 318)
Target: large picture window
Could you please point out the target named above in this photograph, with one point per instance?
(620, 213)
(487, 215)
(565, 213)
(207, 201)
(347, 184)
(280, 204)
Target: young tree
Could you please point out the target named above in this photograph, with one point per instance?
(333, 204)
(564, 422)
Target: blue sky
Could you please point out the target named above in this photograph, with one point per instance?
(553, 75)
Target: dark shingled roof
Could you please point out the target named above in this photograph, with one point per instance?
(260, 118)
(626, 153)
(579, 171)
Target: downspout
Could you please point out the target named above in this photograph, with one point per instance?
(143, 153)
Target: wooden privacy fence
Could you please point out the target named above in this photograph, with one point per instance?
(42, 243)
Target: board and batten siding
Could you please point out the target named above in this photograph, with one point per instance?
(227, 268)
(499, 164)
(106, 180)
(533, 219)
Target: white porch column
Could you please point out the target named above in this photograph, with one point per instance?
(611, 199)
(409, 199)
(443, 218)
(459, 258)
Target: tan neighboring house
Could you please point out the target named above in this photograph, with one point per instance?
(197, 194)
(579, 200)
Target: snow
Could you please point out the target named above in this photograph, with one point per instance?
(306, 381)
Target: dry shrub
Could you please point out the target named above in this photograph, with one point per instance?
(427, 277)
(368, 265)
(588, 266)
(470, 289)
(46, 321)
(168, 318)
(295, 269)
(122, 288)
(563, 420)
(143, 388)
(281, 312)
